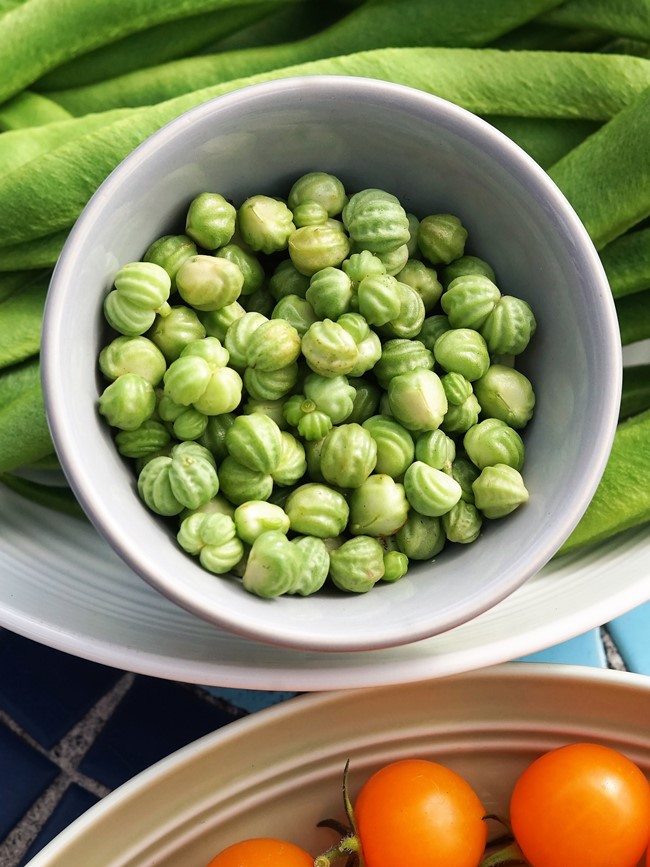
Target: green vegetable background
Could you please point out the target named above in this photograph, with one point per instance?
(83, 82)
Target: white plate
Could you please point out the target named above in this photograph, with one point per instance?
(61, 585)
(278, 772)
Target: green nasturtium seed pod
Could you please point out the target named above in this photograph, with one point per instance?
(292, 465)
(457, 388)
(218, 505)
(462, 523)
(330, 293)
(424, 280)
(409, 321)
(201, 378)
(255, 517)
(320, 187)
(149, 438)
(315, 565)
(421, 537)
(430, 492)
(378, 507)
(273, 408)
(394, 260)
(141, 292)
(506, 394)
(376, 221)
(396, 566)
(287, 280)
(436, 449)
(133, 355)
(465, 265)
(329, 349)
(412, 243)
(127, 402)
(239, 483)
(468, 301)
(217, 322)
(255, 441)
(491, 442)
(509, 327)
(400, 355)
(464, 351)
(313, 248)
(309, 214)
(357, 564)
(249, 265)
(270, 384)
(173, 332)
(258, 302)
(361, 265)
(332, 395)
(379, 299)
(417, 399)
(461, 417)
(303, 414)
(265, 224)
(348, 456)
(465, 473)
(395, 447)
(186, 422)
(238, 337)
(297, 311)
(185, 479)
(210, 220)
(211, 537)
(214, 436)
(366, 400)
(273, 566)
(208, 282)
(441, 238)
(499, 490)
(170, 252)
(317, 510)
(273, 345)
(432, 328)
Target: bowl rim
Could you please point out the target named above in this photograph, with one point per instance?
(300, 711)
(265, 629)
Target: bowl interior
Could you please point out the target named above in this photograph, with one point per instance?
(436, 158)
(278, 772)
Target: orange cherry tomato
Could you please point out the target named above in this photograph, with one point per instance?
(583, 805)
(262, 852)
(418, 813)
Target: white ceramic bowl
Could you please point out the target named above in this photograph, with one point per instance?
(435, 157)
(278, 772)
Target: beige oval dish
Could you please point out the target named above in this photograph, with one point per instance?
(278, 772)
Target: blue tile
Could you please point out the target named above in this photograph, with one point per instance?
(74, 802)
(47, 691)
(24, 776)
(250, 700)
(631, 634)
(155, 718)
(585, 649)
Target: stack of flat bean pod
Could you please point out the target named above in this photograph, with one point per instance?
(82, 84)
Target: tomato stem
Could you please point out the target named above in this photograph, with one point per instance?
(508, 856)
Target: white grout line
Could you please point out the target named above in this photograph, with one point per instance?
(67, 754)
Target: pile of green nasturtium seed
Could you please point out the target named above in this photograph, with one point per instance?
(293, 382)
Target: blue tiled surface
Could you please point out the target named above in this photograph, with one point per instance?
(631, 633)
(24, 775)
(586, 649)
(71, 730)
(154, 719)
